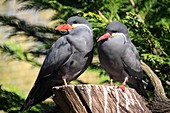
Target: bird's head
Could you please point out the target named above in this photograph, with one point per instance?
(74, 22)
(113, 29)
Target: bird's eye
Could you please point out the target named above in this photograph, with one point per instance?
(75, 22)
(63, 32)
(113, 31)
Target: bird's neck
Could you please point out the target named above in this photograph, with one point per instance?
(126, 37)
(82, 25)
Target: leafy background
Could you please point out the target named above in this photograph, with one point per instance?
(28, 41)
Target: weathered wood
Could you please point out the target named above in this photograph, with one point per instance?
(98, 99)
(68, 100)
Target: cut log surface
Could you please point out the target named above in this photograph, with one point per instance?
(98, 99)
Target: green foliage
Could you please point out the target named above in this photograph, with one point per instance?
(15, 51)
(161, 66)
(141, 35)
(148, 24)
(21, 27)
(12, 102)
(158, 14)
(155, 59)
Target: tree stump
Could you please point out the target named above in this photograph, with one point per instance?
(98, 99)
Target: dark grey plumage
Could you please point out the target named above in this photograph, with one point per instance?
(120, 58)
(68, 58)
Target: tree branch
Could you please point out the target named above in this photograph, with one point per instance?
(159, 90)
(100, 13)
(160, 104)
(29, 30)
(136, 10)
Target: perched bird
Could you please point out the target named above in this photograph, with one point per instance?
(120, 58)
(68, 58)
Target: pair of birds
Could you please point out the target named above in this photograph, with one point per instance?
(71, 54)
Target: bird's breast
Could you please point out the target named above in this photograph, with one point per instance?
(75, 65)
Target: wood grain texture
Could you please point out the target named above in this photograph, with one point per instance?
(98, 99)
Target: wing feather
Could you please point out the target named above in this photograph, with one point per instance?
(58, 54)
(131, 61)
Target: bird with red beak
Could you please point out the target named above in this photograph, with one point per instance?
(73, 24)
(64, 27)
(120, 58)
(66, 60)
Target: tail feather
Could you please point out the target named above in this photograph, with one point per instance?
(27, 105)
(37, 94)
(139, 87)
(148, 86)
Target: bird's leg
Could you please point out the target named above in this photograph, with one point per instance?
(65, 82)
(111, 81)
(123, 84)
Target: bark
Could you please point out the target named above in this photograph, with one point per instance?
(98, 99)
(160, 103)
(108, 99)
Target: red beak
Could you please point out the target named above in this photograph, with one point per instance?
(63, 27)
(105, 36)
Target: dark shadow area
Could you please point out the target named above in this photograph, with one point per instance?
(12, 102)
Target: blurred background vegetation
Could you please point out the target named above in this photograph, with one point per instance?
(27, 32)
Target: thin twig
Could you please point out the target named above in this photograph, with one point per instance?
(136, 10)
(100, 13)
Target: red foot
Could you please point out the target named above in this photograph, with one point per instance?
(122, 87)
(111, 82)
(65, 82)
